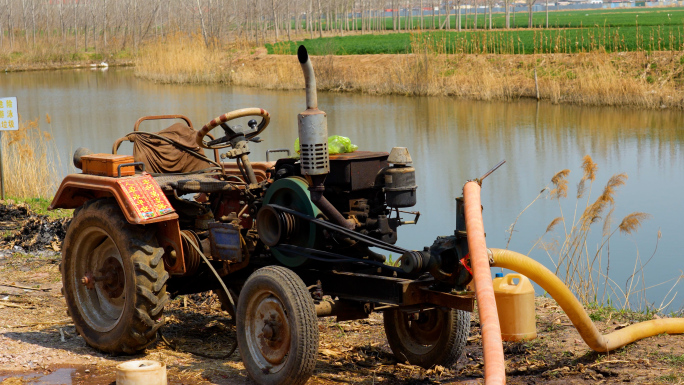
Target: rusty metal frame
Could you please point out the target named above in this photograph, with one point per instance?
(387, 290)
(169, 237)
(77, 189)
(260, 169)
(160, 117)
(417, 293)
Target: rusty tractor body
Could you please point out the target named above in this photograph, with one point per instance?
(282, 242)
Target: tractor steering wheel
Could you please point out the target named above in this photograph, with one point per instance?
(221, 120)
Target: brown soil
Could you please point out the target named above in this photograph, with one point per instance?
(37, 340)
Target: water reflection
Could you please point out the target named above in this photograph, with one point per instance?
(450, 141)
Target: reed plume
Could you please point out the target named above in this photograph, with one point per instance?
(587, 273)
(632, 222)
(560, 184)
(553, 224)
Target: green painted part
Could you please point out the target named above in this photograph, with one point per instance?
(293, 193)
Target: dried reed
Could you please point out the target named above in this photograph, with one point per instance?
(31, 161)
(585, 272)
(587, 78)
(613, 79)
(181, 59)
(50, 52)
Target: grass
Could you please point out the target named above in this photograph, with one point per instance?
(671, 378)
(31, 161)
(566, 41)
(40, 207)
(610, 30)
(606, 312)
(585, 267)
(673, 359)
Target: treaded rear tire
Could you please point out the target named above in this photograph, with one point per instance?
(268, 291)
(141, 303)
(443, 345)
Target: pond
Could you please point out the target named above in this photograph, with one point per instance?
(450, 141)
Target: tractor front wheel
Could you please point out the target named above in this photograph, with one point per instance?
(427, 338)
(277, 327)
(113, 277)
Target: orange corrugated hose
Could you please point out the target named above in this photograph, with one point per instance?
(494, 369)
(573, 308)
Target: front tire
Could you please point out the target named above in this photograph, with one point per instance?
(432, 337)
(277, 327)
(114, 280)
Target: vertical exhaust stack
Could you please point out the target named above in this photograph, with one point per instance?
(313, 144)
(313, 128)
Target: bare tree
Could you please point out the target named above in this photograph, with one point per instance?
(530, 4)
(475, 22)
(547, 13)
(507, 11)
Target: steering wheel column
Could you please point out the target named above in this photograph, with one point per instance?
(236, 139)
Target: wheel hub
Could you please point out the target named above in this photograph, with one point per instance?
(272, 329)
(425, 327)
(111, 278)
(100, 280)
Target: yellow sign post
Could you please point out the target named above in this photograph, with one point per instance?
(9, 121)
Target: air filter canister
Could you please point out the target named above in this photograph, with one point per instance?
(313, 142)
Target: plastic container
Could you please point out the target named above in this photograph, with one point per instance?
(515, 304)
(141, 372)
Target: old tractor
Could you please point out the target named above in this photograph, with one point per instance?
(283, 242)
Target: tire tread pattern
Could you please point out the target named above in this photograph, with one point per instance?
(149, 277)
(446, 351)
(306, 325)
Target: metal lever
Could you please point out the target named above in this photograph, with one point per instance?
(480, 179)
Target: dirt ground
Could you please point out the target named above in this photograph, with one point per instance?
(38, 344)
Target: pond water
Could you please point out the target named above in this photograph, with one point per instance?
(450, 141)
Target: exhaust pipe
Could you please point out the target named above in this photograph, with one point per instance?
(313, 126)
(313, 144)
(309, 78)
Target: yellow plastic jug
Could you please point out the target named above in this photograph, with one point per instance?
(515, 304)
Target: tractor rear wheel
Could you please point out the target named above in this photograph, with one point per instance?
(113, 277)
(427, 338)
(277, 327)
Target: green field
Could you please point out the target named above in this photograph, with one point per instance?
(610, 30)
(619, 17)
(505, 42)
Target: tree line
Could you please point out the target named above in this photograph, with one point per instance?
(103, 25)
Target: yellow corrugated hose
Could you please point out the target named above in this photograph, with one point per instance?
(573, 308)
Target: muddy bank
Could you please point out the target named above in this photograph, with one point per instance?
(637, 79)
(38, 339)
(650, 80)
(87, 64)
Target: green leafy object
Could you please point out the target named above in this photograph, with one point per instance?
(336, 145)
(340, 144)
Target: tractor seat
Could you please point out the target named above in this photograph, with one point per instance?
(161, 157)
